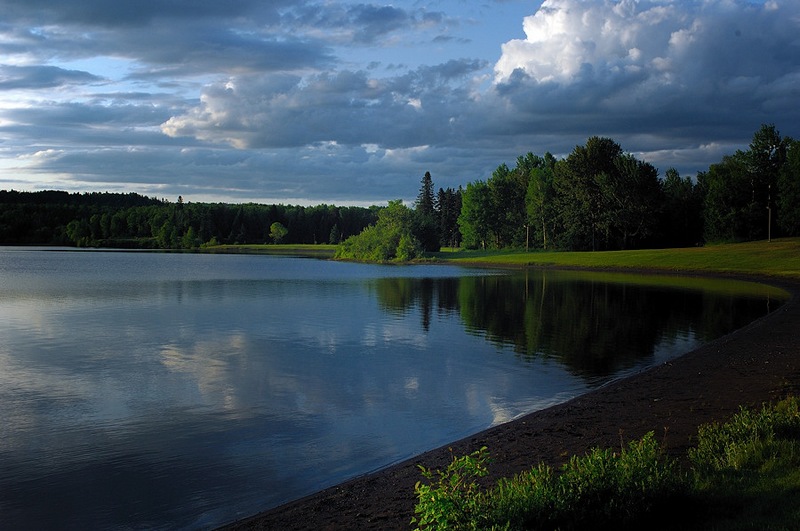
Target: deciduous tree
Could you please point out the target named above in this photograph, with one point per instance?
(277, 232)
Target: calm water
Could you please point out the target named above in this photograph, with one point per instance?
(148, 390)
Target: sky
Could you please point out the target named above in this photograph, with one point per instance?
(350, 103)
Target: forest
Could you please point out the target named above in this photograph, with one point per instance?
(601, 198)
(135, 221)
(596, 198)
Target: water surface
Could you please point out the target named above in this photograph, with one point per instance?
(169, 391)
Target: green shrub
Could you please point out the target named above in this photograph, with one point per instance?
(389, 240)
(604, 487)
(747, 470)
(598, 489)
(746, 475)
(527, 500)
(743, 440)
(452, 499)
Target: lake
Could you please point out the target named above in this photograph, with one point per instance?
(184, 391)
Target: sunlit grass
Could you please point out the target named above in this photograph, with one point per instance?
(778, 258)
(298, 249)
(744, 475)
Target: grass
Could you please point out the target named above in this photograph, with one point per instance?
(779, 258)
(744, 475)
(324, 251)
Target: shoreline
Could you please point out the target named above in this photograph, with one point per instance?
(748, 367)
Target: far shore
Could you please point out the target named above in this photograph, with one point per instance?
(749, 367)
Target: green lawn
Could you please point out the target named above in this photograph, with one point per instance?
(778, 258)
(309, 250)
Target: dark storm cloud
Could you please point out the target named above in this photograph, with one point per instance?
(113, 13)
(338, 100)
(38, 77)
(360, 23)
(193, 46)
(205, 50)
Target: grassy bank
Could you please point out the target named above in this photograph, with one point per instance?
(778, 258)
(744, 475)
(323, 251)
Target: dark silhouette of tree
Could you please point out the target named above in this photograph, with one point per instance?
(788, 202)
(682, 214)
(741, 189)
(426, 226)
(131, 220)
(449, 203)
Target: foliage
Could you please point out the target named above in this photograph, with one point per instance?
(788, 202)
(540, 202)
(740, 190)
(601, 198)
(682, 221)
(474, 221)
(452, 498)
(449, 207)
(727, 208)
(402, 234)
(277, 232)
(601, 488)
(494, 213)
(747, 470)
(597, 198)
(390, 239)
(605, 487)
(131, 220)
(745, 475)
(746, 438)
(606, 199)
(425, 224)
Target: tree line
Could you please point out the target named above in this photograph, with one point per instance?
(596, 198)
(136, 221)
(402, 233)
(601, 198)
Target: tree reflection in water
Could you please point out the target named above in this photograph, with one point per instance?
(592, 324)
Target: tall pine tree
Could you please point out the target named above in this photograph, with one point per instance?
(426, 227)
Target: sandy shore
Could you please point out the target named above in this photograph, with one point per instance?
(759, 363)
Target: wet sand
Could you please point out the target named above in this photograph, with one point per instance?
(757, 364)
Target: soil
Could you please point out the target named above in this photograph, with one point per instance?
(752, 366)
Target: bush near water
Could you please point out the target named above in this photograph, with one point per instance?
(744, 474)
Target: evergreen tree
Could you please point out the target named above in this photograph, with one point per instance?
(426, 227)
(426, 202)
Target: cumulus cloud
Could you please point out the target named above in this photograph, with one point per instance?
(618, 68)
(678, 83)
(644, 56)
(347, 107)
